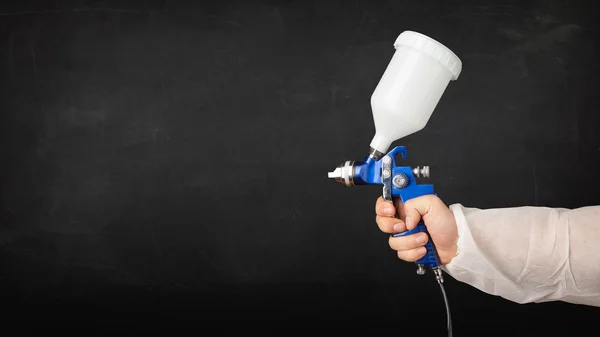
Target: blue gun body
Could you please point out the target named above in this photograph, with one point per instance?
(400, 182)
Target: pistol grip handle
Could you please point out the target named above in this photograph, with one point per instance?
(430, 258)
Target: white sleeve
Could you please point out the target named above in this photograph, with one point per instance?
(530, 254)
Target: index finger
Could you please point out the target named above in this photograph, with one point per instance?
(384, 208)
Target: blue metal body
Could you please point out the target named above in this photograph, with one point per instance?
(369, 172)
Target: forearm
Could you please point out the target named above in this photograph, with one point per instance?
(530, 254)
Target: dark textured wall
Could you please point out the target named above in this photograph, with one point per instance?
(170, 159)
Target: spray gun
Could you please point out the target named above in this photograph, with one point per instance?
(402, 103)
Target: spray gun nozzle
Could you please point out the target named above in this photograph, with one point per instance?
(343, 174)
(337, 173)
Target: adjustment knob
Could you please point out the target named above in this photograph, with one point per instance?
(424, 171)
(400, 180)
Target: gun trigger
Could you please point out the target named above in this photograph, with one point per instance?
(386, 177)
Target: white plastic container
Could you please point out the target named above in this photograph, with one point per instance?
(411, 87)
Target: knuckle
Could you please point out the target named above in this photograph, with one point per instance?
(380, 220)
(379, 209)
(406, 256)
(399, 243)
(383, 224)
(415, 254)
(410, 255)
(412, 201)
(418, 253)
(392, 243)
(429, 197)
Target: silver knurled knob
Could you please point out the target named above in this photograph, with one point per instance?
(421, 171)
(400, 180)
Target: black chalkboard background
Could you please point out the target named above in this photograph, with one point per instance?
(169, 159)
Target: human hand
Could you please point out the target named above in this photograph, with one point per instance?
(438, 218)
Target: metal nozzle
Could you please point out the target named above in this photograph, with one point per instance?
(343, 174)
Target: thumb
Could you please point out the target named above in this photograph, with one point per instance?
(416, 209)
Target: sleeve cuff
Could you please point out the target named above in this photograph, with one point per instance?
(463, 236)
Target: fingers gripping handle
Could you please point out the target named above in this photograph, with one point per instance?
(400, 182)
(430, 258)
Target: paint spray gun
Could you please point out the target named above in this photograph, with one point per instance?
(402, 103)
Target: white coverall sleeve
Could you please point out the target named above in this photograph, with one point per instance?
(529, 254)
